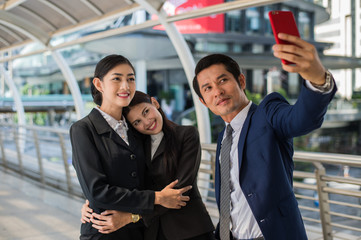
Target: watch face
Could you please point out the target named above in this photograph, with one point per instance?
(135, 218)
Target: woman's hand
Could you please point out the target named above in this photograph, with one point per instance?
(172, 198)
(86, 212)
(110, 220)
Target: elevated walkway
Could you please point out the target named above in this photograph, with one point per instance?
(330, 202)
(31, 212)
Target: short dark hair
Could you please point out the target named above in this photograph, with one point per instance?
(213, 59)
(102, 68)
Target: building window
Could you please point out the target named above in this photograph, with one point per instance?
(267, 27)
(236, 48)
(286, 8)
(252, 21)
(267, 48)
(247, 47)
(217, 47)
(304, 24)
(233, 21)
(211, 47)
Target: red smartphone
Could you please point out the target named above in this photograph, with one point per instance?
(283, 22)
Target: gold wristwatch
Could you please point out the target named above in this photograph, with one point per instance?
(135, 218)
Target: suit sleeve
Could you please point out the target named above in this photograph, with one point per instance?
(93, 180)
(301, 118)
(188, 165)
(189, 159)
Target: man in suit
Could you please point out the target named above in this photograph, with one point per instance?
(254, 166)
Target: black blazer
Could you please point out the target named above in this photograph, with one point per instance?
(110, 172)
(193, 219)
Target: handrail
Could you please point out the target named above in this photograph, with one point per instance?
(328, 158)
(44, 154)
(33, 127)
(324, 189)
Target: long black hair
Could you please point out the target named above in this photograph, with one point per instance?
(169, 160)
(102, 68)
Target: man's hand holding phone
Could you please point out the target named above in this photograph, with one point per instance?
(298, 55)
(283, 22)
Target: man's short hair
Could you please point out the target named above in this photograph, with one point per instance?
(213, 59)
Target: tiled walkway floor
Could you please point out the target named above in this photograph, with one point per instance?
(29, 212)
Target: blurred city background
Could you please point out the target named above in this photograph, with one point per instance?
(48, 52)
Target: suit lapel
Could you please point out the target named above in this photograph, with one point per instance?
(161, 148)
(148, 151)
(103, 128)
(217, 173)
(244, 132)
(117, 139)
(132, 139)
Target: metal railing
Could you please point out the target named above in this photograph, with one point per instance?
(328, 198)
(40, 153)
(327, 186)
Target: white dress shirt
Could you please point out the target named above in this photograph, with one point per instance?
(244, 224)
(311, 87)
(120, 127)
(155, 141)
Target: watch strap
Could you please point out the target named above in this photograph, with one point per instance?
(328, 83)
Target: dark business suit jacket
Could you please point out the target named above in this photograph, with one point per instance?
(193, 219)
(110, 172)
(266, 167)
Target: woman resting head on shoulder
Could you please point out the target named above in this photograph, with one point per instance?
(147, 117)
(169, 144)
(103, 154)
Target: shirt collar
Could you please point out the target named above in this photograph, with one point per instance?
(157, 137)
(238, 121)
(113, 123)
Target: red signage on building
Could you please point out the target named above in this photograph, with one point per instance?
(209, 24)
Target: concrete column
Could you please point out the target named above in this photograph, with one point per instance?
(188, 64)
(19, 110)
(16, 95)
(141, 75)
